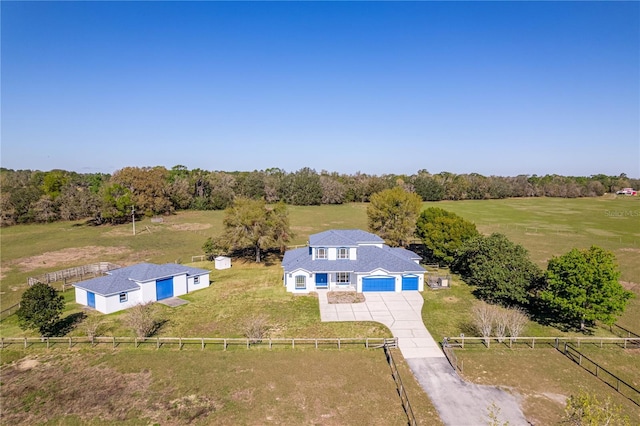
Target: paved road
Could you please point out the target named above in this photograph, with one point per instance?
(459, 403)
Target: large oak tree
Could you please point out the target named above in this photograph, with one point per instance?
(253, 224)
(583, 286)
(392, 215)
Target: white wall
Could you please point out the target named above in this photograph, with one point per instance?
(148, 291)
(81, 296)
(112, 303)
(204, 283)
(180, 285)
(290, 282)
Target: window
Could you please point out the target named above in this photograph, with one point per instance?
(343, 253)
(321, 253)
(196, 280)
(301, 282)
(342, 277)
(123, 297)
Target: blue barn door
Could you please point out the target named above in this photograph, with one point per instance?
(321, 281)
(91, 299)
(164, 288)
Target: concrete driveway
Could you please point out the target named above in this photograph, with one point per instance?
(459, 403)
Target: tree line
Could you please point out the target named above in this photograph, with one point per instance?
(35, 196)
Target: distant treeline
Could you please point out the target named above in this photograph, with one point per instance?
(34, 196)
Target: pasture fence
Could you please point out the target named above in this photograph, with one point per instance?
(404, 398)
(201, 343)
(75, 274)
(615, 382)
(531, 342)
(447, 348)
(7, 312)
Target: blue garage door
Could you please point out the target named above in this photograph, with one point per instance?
(164, 288)
(321, 281)
(409, 282)
(378, 284)
(91, 299)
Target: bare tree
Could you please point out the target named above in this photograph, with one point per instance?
(93, 325)
(516, 321)
(256, 328)
(142, 319)
(483, 316)
(501, 321)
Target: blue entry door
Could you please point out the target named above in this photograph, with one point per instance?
(164, 288)
(322, 281)
(91, 299)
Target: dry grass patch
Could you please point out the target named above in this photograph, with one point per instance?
(72, 255)
(190, 226)
(345, 297)
(249, 387)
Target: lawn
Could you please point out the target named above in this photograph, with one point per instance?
(546, 227)
(252, 387)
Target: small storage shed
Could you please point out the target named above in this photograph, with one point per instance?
(223, 262)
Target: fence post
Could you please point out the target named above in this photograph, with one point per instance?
(202, 344)
(47, 343)
(247, 343)
(114, 342)
(269, 342)
(157, 343)
(180, 343)
(316, 343)
(135, 342)
(293, 343)
(25, 343)
(224, 341)
(338, 343)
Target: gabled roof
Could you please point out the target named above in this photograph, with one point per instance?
(148, 271)
(343, 237)
(369, 259)
(108, 285)
(127, 278)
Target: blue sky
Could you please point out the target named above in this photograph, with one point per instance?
(498, 88)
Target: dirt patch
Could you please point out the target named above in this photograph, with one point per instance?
(631, 249)
(628, 285)
(345, 297)
(190, 226)
(73, 255)
(27, 364)
(450, 299)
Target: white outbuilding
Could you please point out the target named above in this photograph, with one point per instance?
(223, 262)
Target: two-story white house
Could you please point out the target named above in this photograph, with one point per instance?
(351, 259)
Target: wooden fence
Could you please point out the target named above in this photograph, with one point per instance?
(555, 342)
(404, 398)
(5, 313)
(197, 342)
(451, 356)
(622, 387)
(75, 274)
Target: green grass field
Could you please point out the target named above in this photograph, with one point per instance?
(248, 387)
(546, 227)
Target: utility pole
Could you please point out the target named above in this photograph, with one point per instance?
(133, 217)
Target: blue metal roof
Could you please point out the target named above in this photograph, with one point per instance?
(127, 278)
(343, 237)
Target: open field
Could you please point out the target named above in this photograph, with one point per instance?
(544, 378)
(546, 227)
(252, 387)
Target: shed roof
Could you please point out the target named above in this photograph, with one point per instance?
(128, 278)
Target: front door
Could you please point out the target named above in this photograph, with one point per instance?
(321, 281)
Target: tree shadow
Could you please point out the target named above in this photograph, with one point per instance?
(157, 326)
(65, 325)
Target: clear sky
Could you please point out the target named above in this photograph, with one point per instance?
(500, 88)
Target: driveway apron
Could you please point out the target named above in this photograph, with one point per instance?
(459, 403)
